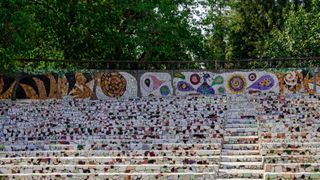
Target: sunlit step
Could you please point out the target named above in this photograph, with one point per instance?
(240, 152)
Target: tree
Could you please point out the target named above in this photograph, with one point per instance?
(300, 36)
(17, 29)
(109, 30)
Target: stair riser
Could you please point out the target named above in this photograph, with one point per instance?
(113, 177)
(254, 167)
(241, 130)
(241, 147)
(239, 153)
(245, 159)
(241, 126)
(235, 141)
(107, 169)
(241, 121)
(241, 134)
(242, 175)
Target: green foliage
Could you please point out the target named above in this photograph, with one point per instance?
(108, 30)
(300, 36)
(155, 31)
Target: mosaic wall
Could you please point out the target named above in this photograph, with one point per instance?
(37, 86)
(6, 86)
(115, 84)
(77, 85)
(208, 83)
(156, 84)
(104, 85)
(251, 82)
(188, 83)
(298, 81)
(101, 85)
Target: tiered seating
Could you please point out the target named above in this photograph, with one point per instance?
(289, 133)
(147, 138)
(217, 137)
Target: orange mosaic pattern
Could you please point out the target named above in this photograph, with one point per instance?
(81, 88)
(8, 93)
(53, 86)
(296, 81)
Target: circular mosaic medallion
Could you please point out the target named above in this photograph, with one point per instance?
(164, 90)
(252, 76)
(113, 84)
(237, 84)
(195, 79)
(184, 86)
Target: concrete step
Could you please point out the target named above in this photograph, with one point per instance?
(297, 175)
(241, 141)
(110, 168)
(245, 139)
(241, 126)
(241, 129)
(240, 121)
(241, 133)
(247, 158)
(238, 179)
(241, 137)
(115, 160)
(240, 152)
(103, 153)
(241, 173)
(241, 165)
(240, 147)
(115, 176)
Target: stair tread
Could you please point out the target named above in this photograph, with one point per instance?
(237, 179)
(233, 171)
(255, 144)
(230, 150)
(242, 163)
(246, 137)
(240, 156)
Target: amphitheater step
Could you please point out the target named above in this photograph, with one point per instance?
(102, 153)
(237, 179)
(114, 176)
(241, 121)
(241, 126)
(123, 168)
(240, 146)
(296, 175)
(116, 160)
(246, 158)
(240, 152)
(241, 129)
(240, 173)
(241, 137)
(241, 133)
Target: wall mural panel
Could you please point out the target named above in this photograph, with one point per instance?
(208, 83)
(38, 87)
(106, 85)
(77, 85)
(156, 84)
(115, 84)
(195, 83)
(6, 86)
(298, 81)
(251, 82)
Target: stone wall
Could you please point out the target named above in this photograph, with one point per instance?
(117, 84)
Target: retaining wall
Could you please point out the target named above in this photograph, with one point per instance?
(131, 84)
